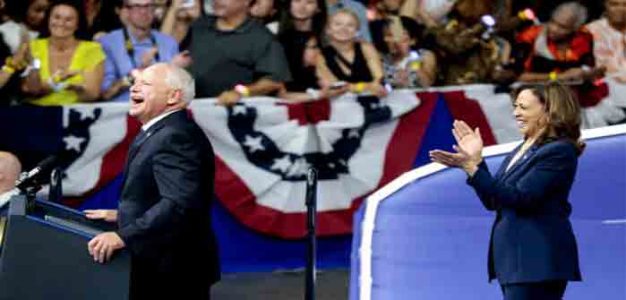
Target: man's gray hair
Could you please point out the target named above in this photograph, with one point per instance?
(179, 79)
(578, 10)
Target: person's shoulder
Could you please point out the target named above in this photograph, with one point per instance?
(599, 24)
(165, 38)
(205, 21)
(559, 146)
(258, 28)
(584, 33)
(111, 37)
(530, 34)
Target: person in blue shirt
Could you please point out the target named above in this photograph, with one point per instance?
(135, 46)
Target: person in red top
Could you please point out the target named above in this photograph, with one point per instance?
(561, 49)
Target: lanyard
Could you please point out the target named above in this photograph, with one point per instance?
(130, 48)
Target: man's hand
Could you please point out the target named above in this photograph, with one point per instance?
(103, 245)
(109, 215)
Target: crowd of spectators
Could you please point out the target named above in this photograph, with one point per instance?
(57, 52)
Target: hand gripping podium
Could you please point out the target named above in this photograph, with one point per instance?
(44, 255)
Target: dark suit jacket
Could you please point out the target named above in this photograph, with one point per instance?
(164, 211)
(532, 238)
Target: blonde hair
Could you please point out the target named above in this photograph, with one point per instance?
(347, 12)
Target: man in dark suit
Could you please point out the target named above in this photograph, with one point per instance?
(164, 212)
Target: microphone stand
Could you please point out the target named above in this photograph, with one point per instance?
(311, 204)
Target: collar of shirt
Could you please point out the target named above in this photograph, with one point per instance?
(6, 196)
(243, 27)
(146, 41)
(160, 117)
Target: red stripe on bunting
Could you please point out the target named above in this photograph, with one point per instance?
(309, 112)
(469, 110)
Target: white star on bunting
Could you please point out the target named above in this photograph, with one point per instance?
(73, 142)
(282, 164)
(254, 144)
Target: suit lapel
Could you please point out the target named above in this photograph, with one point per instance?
(526, 157)
(136, 145)
(506, 161)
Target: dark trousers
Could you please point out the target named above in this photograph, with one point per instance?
(148, 282)
(546, 290)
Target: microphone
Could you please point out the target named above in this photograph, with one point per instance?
(32, 177)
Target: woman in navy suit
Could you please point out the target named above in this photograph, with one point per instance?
(532, 251)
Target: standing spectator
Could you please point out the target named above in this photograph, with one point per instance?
(386, 8)
(70, 69)
(429, 13)
(560, 50)
(136, 46)
(609, 38)
(466, 51)
(11, 65)
(347, 60)
(300, 35)
(405, 62)
(23, 16)
(102, 17)
(359, 10)
(234, 56)
(265, 11)
(178, 19)
(12, 60)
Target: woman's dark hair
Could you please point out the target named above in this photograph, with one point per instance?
(286, 20)
(378, 27)
(563, 113)
(81, 30)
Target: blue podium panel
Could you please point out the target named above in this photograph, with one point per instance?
(429, 238)
(44, 256)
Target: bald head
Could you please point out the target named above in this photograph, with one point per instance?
(10, 169)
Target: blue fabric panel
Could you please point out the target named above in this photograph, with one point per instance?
(431, 237)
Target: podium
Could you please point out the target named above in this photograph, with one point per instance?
(44, 255)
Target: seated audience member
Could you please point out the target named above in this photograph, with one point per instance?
(10, 169)
(266, 12)
(466, 50)
(300, 34)
(69, 69)
(560, 50)
(135, 46)
(178, 19)
(406, 65)
(347, 60)
(359, 11)
(235, 56)
(23, 16)
(609, 37)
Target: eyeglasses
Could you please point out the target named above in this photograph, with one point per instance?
(140, 6)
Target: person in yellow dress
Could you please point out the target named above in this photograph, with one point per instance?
(66, 70)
